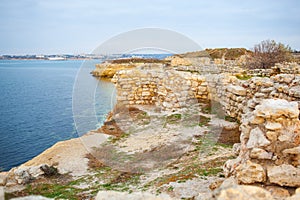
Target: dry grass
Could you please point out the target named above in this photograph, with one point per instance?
(137, 60)
(94, 163)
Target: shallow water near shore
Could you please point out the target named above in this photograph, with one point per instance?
(36, 106)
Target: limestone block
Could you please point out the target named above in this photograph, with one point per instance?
(256, 120)
(244, 192)
(238, 90)
(284, 175)
(236, 148)
(272, 135)
(273, 126)
(278, 192)
(295, 91)
(267, 90)
(294, 197)
(257, 139)
(277, 108)
(146, 93)
(258, 153)
(250, 172)
(284, 78)
(295, 150)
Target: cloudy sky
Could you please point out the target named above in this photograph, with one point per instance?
(79, 26)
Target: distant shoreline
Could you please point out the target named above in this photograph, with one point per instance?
(50, 60)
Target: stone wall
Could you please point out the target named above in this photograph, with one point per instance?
(268, 109)
(171, 89)
(158, 85)
(270, 145)
(233, 67)
(241, 96)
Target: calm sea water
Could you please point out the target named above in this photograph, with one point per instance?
(36, 106)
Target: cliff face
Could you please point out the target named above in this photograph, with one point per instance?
(109, 68)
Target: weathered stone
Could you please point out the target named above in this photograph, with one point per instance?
(244, 192)
(287, 135)
(2, 197)
(295, 91)
(284, 78)
(284, 175)
(22, 176)
(294, 197)
(272, 135)
(257, 120)
(146, 93)
(230, 166)
(257, 139)
(250, 172)
(237, 90)
(273, 126)
(277, 108)
(258, 153)
(114, 195)
(278, 192)
(295, 150)
(3, 178)
(236, 148)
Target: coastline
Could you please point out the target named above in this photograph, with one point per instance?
(168, 124)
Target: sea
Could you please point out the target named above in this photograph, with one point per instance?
(43, 102)
(37, 105)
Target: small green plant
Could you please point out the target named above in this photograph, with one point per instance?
(172, 119)
(115, 138)
(203, 121)
(171, 188)
(49, 171)
(230, 119)
(54, 191)
(243, 76)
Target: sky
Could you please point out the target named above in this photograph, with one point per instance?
(80, 26)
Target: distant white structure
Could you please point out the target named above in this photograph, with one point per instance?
(56, 58)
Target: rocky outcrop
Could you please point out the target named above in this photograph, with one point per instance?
(109, 68)
(67, 156)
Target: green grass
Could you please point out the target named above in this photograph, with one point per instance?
(103, 178)
(203, 121)
(115, 139)
(172, 119)
(230, 119)
(143, 118)
(243, 76)
(56, 191)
